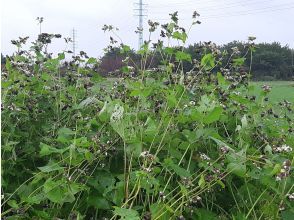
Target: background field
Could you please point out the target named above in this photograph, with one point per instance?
(280, 90)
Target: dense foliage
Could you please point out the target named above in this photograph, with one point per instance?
(271, 61)
(157, 143)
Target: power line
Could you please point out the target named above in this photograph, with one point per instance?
(232, 5)
(213, 3)
(255, 11)
(249, 12)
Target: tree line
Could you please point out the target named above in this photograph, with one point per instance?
(270, 61)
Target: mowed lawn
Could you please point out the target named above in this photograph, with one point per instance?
(280, 90)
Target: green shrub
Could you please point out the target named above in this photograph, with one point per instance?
(159, 144)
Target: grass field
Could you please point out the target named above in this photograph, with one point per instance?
(280, 90)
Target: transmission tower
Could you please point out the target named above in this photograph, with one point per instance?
(74, 42)
(141, 10)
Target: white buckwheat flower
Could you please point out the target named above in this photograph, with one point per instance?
(117, 113)
(192, 103)
(204, 156)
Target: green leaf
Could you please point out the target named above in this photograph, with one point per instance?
(213, 116)
(180, 36)
(287, 215)
(134, 148)
(91, 60)
(128, 214)
(47, 150)
(201, 181)
(203, 214)
(276, 169)
(12, 203)
(221, 183)
(178, 170)
(61, 56)
(51, 166)
(98, 202)
(161, 210)
(37, 199)
(65, 132)
(169, 50)
(88, 101)
(244, 121)
(54, 190)
(237, 168)
(221, 143)
(239, 216)
(125, 49)
(221, 79)
(239, 61)
(8, 65)
(182, 56)
(171, 100)
(207, 61)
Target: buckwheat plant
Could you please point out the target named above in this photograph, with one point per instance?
(173, 135)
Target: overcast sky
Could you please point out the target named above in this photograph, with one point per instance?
(222, 20)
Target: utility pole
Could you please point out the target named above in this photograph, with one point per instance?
(140, 14)
(292, 62)
(74, 45)
(292, 52)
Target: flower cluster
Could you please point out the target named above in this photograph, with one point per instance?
(162, 196)
(46, 38)
(146, 154)
(20, 41)
(152, 25)
(285, 170)
(117, 113)
(290, 196)
(224, 149)
(283, 149)
(204, 157)
(187, 182)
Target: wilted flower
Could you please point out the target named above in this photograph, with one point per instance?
(174, 17)
(40, 19)
(195, 200)
(152, 25)
(187, 182)
(67, 39)
(266, 88)
(224, 149)
(195, 14)
(251, 38)
(139, 30)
